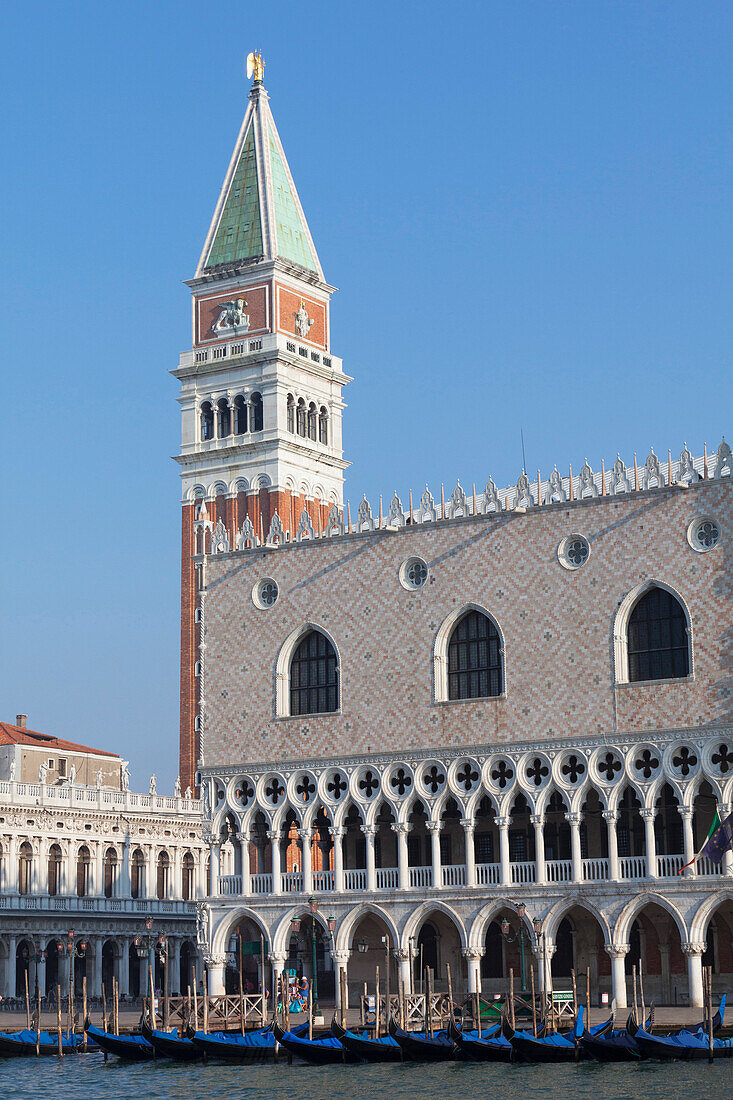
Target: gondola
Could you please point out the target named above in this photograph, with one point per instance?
(169, 1044)
(419, 1047)
(554, 1047)
(491, 1047)
(132, 1048)
(253, 1046)
(684, 1045)
(365, 1049)
(22, 1044)
(319, 1052)
(618, 1045)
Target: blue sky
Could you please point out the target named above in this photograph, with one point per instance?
(526, 207)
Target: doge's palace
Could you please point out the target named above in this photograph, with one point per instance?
(485, 728)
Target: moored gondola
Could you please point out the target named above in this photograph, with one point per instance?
(22, 1044)
(385, 1049)
(490, 1047)
(169, 1044)
(554, 1047)
(132, 1048)
(418, 1047)
(617, 1045)
(684, 1046)
(253, 1046)
(319, 1052)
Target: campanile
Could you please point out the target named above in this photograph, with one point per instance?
(260, 388)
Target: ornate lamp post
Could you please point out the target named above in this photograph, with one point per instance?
(38, 956)
(72, 951)
(362, 947)
(313, 906)
(144, 945)
(522, 937)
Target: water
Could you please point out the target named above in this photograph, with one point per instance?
(89, 1077)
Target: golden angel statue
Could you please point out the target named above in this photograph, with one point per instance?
(255, 67)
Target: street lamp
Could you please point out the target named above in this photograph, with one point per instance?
(522, 937)
(38, 956)
(145, 945)
(72, 951)
(362, 947)
(313, 906)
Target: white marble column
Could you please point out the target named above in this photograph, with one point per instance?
(43, 848)
(611, 817)
(11, 967)
(215, 849)
(177, 870)
(617, 953)
(34, 867)
(12, 874)
(434, 828)
(469, 824)
(306, 839)
(216, 967)
(688, 842)
(340, 962)
(473, 956)
(123, 968)
(506, 871)
(201, 873)
(538, 820)
(94, 981)
(174, 964)
(244, 839)
(574, 821)
(337, 835)
(274, 837)
(694, 953)
(401, 829)
(125, 883)
(369, 831)
(648, 814)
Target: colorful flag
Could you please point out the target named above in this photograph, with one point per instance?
(714, 828)
(720, 839)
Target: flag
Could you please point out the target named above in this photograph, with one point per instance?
(714, 831)
(720, 839)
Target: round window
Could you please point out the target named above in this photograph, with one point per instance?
(265, 593)
(413, 573)
(703, 534)
(573, 552)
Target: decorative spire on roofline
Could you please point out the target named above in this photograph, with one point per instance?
(519, 498)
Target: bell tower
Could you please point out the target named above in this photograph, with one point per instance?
(260, 388)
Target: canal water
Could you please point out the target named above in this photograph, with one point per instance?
(89, 1077)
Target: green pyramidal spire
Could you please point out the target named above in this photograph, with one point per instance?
(258, 216)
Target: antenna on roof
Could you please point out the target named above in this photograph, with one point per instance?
(524, 461)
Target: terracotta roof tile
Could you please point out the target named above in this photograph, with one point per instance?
(17, 735)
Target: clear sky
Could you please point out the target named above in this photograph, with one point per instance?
(526, 207)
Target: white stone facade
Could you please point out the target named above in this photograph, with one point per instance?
(97, 861)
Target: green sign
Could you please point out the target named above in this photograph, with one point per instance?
(253, 947)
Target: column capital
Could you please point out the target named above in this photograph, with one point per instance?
(214, 960)
(503, 822)
(278, 961)
(243, 838)
(337, 833)
(468, 822)
(648, 813)
(433, 826)
(537, 819)
(610, 816)
(473, 953)
(368, 830)
(401, 953)
(617, 950)
(685, 812)
(692, 949)
(402, 828)
(273, 834)
(305, 834)
(341, 956)
(574, 819)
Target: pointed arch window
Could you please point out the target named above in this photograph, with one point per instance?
(314, 676)
(291, 413)
(657, 638)
(323, 425)
(474, 658)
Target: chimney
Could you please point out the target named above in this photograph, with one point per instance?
(20, 720)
